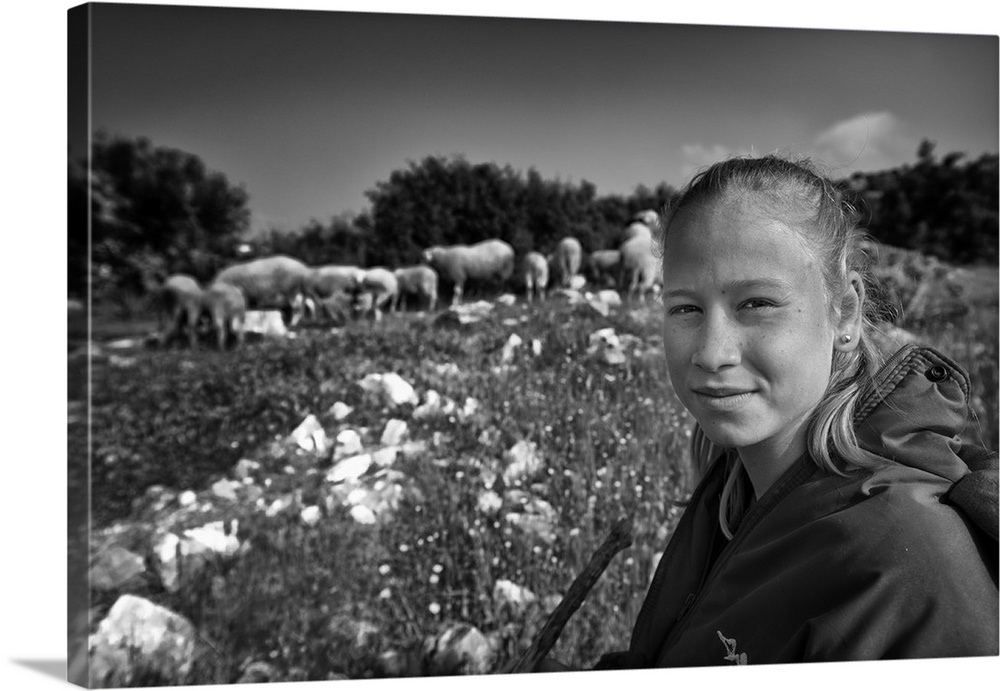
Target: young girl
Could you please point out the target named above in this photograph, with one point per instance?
(837, 515)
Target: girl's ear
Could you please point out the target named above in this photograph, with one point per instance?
(849, 324)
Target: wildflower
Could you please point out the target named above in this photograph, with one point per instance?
(385, 594)
(404, 548)
(437, 568)
(433, 580)
(434, 608)
(384, 569)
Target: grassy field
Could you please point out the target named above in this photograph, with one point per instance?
(318, 599)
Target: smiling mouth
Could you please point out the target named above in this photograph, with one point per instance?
(722, 400)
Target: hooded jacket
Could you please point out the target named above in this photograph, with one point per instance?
(899, 561)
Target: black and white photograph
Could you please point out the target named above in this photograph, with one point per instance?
(411, 343)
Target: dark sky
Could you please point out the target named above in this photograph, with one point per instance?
(308, 109)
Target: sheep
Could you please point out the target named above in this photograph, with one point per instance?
(564, 261)
(636, 229)
(276, 281)
(383, 287)
(601, 267)
(535, 275)
(332, 286)
(179, 301)
(639, 268)
(226, 309)
(420, 281)
(484, 261)
(648, 218)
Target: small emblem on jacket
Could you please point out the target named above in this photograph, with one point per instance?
(731, 654)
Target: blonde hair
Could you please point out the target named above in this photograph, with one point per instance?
(830, 225)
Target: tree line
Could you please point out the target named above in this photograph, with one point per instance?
(154, 211)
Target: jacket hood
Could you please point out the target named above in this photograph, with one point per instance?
(915, 412)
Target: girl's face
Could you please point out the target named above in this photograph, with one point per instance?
(748, 333)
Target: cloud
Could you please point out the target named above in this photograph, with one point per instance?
(868, 142)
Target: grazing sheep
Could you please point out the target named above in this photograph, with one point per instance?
(636, 229)
(640, 267)
(226, 308)
(275, 282)
(648, 218)
(179, 301)
(601, 268)
(484, 261)
(420, 281)
(383, 287)
(535, 275)
(565, 260)
(331, 287)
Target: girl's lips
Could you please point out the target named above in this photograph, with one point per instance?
(722, 399)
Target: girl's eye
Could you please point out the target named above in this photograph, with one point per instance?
(757, 303)
(683, 309)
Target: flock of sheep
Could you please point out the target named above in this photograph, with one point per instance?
(334, 291)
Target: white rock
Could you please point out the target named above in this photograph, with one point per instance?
(340, 410)
(213, 537)
(609, 297)
(264, 322)
(138, 636)
(278, 505)
(311, 515)
(394, 432)
(348, 444)
(225, 489)
(385, 456)
(430, 406)
(507, 299)
(522, 462)
(350, 468)
(577, 282)
(362, 514)
(509, 348)
(389, 389)
(165, 556)
(489, 502)
(461, 649)
(115, 567)
(310, 435)
(187, 498)
(245, 468)
(509, 593)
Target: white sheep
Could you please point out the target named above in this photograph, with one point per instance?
(277, 281)
(419, 281)
(534, 275)
(226, 308)
(640, 267)
(178, 302)
(601, 267)
(332, 286)
(564, 261)
(381, 284)
(485, 261)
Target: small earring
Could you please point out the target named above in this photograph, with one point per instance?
(846, 338)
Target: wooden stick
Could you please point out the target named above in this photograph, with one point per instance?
(619, 538)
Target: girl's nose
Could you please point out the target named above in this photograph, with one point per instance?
(717, 346)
